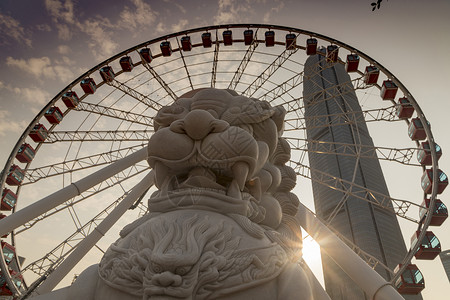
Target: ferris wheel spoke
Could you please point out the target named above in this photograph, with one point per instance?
(86, 195)
(215, 60)
(400, 207)
(243, 65)
(80, 163)
(135, 118)
(158, 78)
(268, 72)
(283, 88)
(402, 156)
(135, 94)
(99, 136)
(344, 118)
(184, 64)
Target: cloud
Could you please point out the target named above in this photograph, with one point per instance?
(101, 43)
(141, 15)
(181, 25)
(63, 49)
(43, 27)
(274, 11)
(61, 11)
(33, 95)
(11, 28)
(231, 11)
(62, 14)
(42, 68)
(100, 29)
(8, 126)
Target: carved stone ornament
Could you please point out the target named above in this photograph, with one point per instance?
(221, 225)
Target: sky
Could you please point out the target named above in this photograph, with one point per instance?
(50, 43)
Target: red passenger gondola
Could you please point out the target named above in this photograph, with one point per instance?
(107, 73)
(70, 99)
(88, 85)
(8, 252)
(248, 37)
(9, 200)
(405, 110)
(227, 38)
(411, 281)
(352, 63)
(424, 153)
(186, 43)
(26, 153)
(4, 289)
(15, 175)
(126, 64)
(54, 115)
(427, 181)
(291, 41)
(146, 55)
(270, 38)
(371, 75)
(388, 90)
(39, 133)
(332, 53)
(206, 39)
(416, 131)
(311, 46)
(439, 213)
(429, 248)
(166, 48)
(15, 277)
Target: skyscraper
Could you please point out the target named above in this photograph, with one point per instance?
(333, 116)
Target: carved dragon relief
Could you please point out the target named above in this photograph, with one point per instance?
(221, 225)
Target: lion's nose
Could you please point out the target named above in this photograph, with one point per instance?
(166, 279)
(198, 124)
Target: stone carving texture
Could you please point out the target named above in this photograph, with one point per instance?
(221, 225)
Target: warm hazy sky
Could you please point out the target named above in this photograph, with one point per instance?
(44, 45)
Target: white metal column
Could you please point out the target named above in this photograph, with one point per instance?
(91, 240)
(361, 273)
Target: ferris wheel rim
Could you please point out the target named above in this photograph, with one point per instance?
(230, 26)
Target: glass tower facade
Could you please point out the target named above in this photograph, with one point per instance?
(333, 116)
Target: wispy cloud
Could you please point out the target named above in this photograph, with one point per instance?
(139, 15)
(63, 49)
(33, 95)
(231, 11)
(273, 12)
(181, 25)
(101, 41)
(11, 28)
(9, 126)
(62, 15)
(100, 29)
(41, 68)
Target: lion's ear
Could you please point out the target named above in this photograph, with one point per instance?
(278, 116)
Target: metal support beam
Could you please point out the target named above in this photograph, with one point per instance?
(91, 240)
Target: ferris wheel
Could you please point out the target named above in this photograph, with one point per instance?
(105, 117)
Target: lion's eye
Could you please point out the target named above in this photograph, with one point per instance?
(182, 270)
(157, 268)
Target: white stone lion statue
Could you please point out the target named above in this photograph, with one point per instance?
(221, 225)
